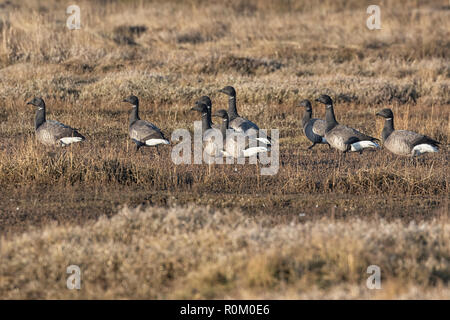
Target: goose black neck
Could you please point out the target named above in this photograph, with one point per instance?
(206, 124)
(223, 128)
(330, 118)
(209, 116)
(40, 117)
(388, 128)
(232, 110)
(134, 115)
(306, 117)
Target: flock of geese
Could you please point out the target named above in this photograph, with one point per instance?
(318, 131)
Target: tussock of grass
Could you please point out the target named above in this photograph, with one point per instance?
(197, 252)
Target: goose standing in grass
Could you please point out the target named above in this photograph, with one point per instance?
(314, 129)
(237, 122)
(209, 145)
(141, 132)
(206, 100)
(51, 132)
(341, 137)
(232, 145)
(404, 142)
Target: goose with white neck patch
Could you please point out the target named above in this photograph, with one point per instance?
(404, 142)
(51, 132)
(206, 100)
(238, 123)
(141, 132)
(314, 129)
(234, 145)
(209, 135)
(341, 137)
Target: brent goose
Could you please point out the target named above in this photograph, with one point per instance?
(210, 146)
(206, 100)
(314, 129)
(404, 142)
(51, 132)
(141, 132)
(342, 137)
(232, 144)
(237, 122)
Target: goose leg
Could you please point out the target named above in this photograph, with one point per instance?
(157, 151)
(311, 146)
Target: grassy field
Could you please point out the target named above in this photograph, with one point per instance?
(225, 231)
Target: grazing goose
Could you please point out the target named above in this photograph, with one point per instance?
(314, 129)
(51, 132)
(143, 133)
(342, 137)
(237, 122)
(210, 147)
(206, 100)
(231, 144)
(404, 142)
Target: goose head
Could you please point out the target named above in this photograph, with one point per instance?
(200, 107)
(132, 100)
(385, 113)
(206, 100)
(305, 104)
(325, 99)
(229, 91)
(221, 114)
(37, 102)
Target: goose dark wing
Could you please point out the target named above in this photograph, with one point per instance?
(143, 130)
(242, 125)
(60, 130)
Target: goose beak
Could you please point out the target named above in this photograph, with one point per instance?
(221, 91)
(317, 100)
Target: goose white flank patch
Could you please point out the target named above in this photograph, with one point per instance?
(404, 142)
(51, 132)
(423, 148)
(141, 132)
(254, 151)
(154, 142)
(360, 145)
(263, 140)
(339, 136)
(69, 140)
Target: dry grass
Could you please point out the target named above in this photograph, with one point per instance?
(275, 54)
(196, 252)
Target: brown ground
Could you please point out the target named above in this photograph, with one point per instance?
(169, 54)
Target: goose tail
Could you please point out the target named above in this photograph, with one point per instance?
(423, 148)
(155, 142)
(255, 150)
(361, 145)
